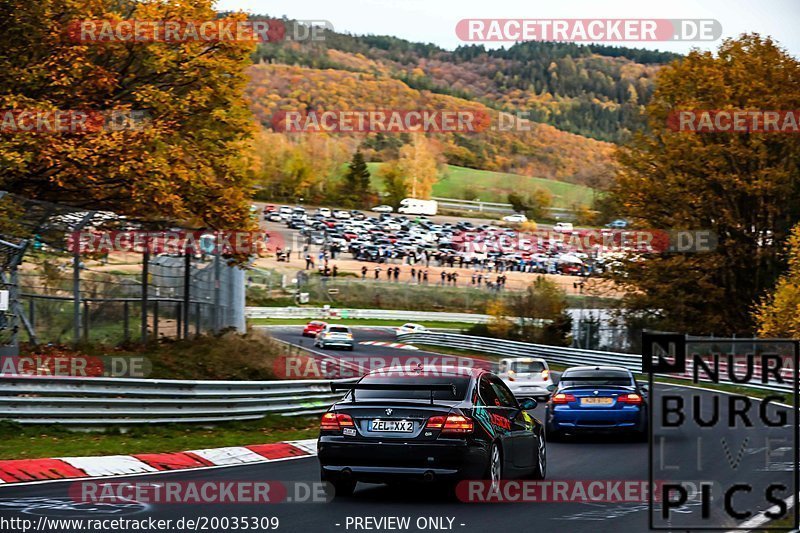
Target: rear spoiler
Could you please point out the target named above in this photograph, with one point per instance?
(336, 387)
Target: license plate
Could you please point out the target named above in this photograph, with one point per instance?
(398, 426)
(597, 401)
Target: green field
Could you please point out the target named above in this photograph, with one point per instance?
(491, 186)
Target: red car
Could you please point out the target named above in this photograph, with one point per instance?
(313, 327)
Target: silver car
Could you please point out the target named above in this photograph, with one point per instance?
(335, 336)
(526, 376)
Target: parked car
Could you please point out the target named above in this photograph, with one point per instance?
(515, 218)
(618, 224)
(528, 376)
(313, 327)
(563, 227)
(333, 335)
(342, 215)
(410, 327)
(383, 209)
(324, 211)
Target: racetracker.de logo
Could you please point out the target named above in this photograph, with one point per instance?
(563, 491)
(70, 120)
(588, 30)
(175, 242)
(312, 367)
(381, 121)
(734, 121)
(180, 31)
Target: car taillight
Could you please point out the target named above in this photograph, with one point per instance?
(453, 424)
(562, 398)
(633, 399)
(335, 421)
(545, 375)
(511, 375)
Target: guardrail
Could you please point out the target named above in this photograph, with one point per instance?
(120, 401)
(552, 354)
(376, 314)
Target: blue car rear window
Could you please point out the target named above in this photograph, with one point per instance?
(593, 378)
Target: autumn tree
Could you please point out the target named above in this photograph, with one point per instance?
(184, 160)
(745, 187)
(534, 205)
(394, 183)
(419, 164)
(356, 188)
(778, 314)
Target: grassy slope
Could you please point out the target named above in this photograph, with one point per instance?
(495, 186)
(27, 442)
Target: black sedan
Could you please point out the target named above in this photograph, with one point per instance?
(430, 425)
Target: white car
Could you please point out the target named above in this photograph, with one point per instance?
(411, 328)
(526, 376)
(563, 227)
(341, 215)
(516, 217)
(324, 211)
(383, 209)
(285, 211)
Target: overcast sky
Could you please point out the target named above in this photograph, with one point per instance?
(435, 20)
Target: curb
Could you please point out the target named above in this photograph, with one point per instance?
(31, 470)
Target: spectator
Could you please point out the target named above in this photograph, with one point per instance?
(413, 273)
(396, 273)
(377, 271)
(364, 272)
(335, 271)
(425, 276)
(309, 262)
(443, 275)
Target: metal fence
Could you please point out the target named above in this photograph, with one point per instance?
(376, 314)
(120, 401)
(552, 354)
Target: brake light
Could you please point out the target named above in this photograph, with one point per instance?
(562, 398)
(453, 424)
(511, 375)
(545, 375)
(335, 421)
(633, 399)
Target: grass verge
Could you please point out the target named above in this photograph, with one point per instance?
(18, 441)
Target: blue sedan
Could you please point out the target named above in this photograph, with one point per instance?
(596, 399)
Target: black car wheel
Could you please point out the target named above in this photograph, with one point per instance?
(494, 471)
(540, 470)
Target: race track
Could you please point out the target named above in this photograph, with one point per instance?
(585, 459)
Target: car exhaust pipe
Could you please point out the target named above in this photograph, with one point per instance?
(428, 476)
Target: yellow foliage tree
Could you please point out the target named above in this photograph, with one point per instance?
(778, 314)
(418, 161)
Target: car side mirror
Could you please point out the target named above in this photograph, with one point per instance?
(551, 388)
(644, 386)
(528, 403)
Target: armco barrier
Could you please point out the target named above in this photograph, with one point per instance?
(375, 314)
(119, 401)
(552, 354)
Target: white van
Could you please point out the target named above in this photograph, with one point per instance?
(414, 206)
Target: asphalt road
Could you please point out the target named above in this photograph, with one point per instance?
(691, 452)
